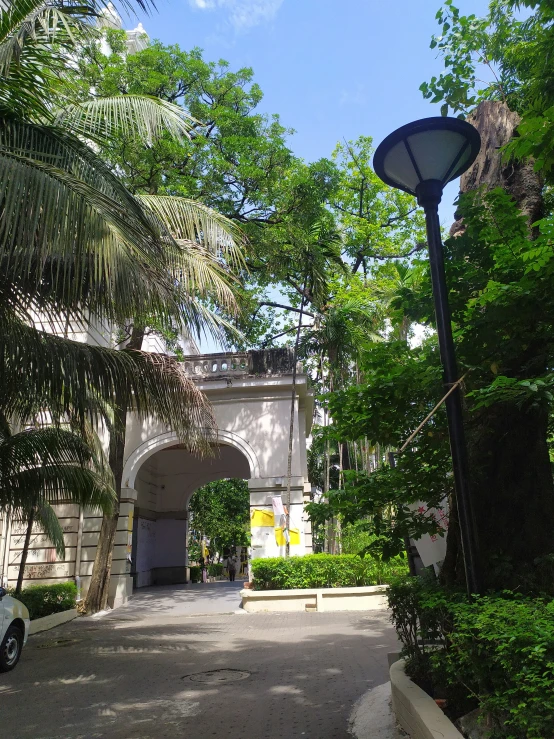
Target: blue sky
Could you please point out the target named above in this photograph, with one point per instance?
(331, 69)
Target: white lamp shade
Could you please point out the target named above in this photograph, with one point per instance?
(431, 149)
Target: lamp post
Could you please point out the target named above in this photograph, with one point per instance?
(420, 159)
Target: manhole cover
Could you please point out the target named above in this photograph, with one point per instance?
(214, 677)
(58, 643)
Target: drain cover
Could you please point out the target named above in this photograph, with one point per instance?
(57, 643)
(215, 677)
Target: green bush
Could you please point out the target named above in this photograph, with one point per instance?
(43, 600)
(215, 570)
(323, 571)
(195, 574)
(498, 648)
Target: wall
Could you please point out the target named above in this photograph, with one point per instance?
(146, 548)
(43, 566)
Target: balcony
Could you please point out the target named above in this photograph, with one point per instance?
(262, 363)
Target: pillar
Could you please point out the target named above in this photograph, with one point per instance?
(265, 542)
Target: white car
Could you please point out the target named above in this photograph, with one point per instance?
(14, 630)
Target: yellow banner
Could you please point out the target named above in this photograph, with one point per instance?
(262, 517)
(280, 537)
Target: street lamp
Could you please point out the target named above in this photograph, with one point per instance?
(420, 159)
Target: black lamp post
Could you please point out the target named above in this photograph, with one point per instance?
(420, 159)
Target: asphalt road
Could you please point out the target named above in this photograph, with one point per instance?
(156, 669)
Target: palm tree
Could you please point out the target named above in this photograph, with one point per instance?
(75, 243)
(41, 466)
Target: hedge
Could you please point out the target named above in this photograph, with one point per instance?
(323, 571)
(195, 573)
(215, 570)
(495, 652)
(43, 600)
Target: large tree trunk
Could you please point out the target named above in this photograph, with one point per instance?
(98, 592)
(512, 487)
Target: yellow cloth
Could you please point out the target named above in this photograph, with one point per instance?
(262, 517)
(280, 537)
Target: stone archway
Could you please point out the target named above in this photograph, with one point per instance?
(163, 441)
(164, 480)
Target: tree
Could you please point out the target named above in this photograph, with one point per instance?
(378, 223)
(44, 465)
(221, 511)
(76, 243)
(499, 271)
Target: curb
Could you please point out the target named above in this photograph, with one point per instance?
(49, 622)
(416, 712)
(329, 600)
(372, 716)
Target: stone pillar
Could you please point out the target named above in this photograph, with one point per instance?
(264, 539)
(121, 582)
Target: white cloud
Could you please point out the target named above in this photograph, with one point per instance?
(242, 14)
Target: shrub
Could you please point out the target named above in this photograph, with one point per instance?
(43, 600)
(323, 571)
(195, 574)
(498, 648)
(214, 570)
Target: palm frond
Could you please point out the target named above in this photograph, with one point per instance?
(43, 466)
(93, 244)
(49, 523)
(135, 116)
(55, 484)
(63, 374)
(98, 250)
(191, 221)
(37, 38)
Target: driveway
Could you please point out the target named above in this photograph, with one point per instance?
(185, 600)
(150, 672)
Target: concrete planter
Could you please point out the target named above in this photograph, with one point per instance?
(320, 599)
(416, 712)
(51, 621)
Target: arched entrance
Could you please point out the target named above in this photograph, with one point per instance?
(164, 484)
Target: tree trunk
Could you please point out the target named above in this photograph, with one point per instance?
(98, 592)
(291, 424)
(497, 125)
(25, 551)
(511, 476)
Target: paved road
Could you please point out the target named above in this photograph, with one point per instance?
(186, 600)
(140, 674)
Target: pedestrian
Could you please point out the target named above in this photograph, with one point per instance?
(232, 567)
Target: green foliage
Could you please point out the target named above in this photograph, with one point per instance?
(322, 571)
(502, 56)
(195, 574)
(499, 647)
(377, 221)
(501, 296)
(43, 600)
(400, 387)
(214, 570)
(220, 511)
